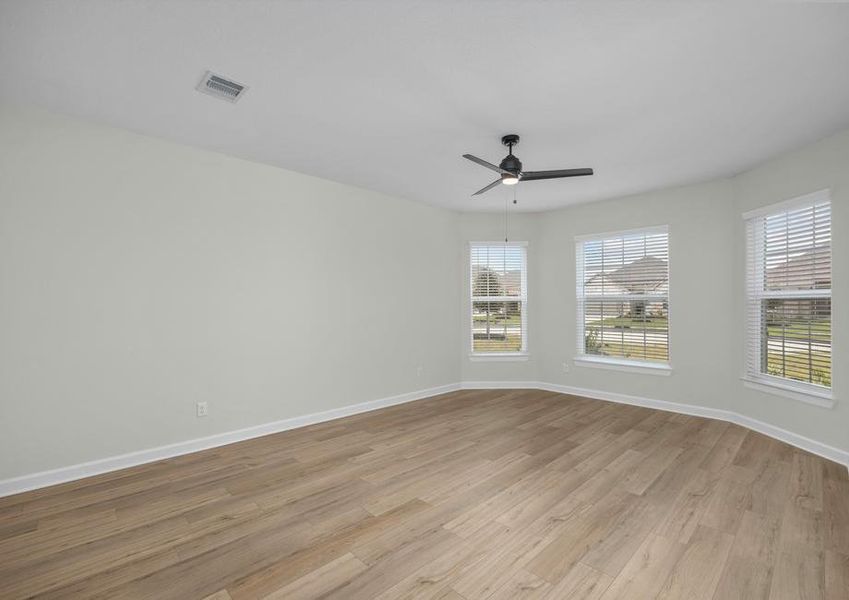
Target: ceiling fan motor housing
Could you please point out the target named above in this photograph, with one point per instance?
(512, 164)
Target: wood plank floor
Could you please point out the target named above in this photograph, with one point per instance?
(469, 495)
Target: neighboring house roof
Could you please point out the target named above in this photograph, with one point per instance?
(602, 283)
(806, 271)
(646, 275)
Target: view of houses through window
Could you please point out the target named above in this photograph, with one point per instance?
(623, 296)
(789, 292)
(498, 297)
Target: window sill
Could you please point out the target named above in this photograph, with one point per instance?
(814, 397)
(498, 357)
(627, 366)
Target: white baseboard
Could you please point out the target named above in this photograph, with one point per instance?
(676, 407)
(794, 439)
(500, 385)
(132, 459)
(114, 463)
(830, 452)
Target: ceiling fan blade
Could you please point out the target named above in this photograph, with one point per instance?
(532, 175)
(487, 188)
(483, 163)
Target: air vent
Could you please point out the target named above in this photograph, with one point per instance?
(221, 87)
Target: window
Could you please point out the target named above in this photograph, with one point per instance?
(788, 294)
(623, 297)
(499, 284)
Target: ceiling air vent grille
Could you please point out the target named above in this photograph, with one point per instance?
(221, 87)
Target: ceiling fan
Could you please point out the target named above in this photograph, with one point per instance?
(511, 168)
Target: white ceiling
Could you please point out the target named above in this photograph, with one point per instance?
(387, 95)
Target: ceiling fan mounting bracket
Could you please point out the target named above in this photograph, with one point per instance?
(510, 140)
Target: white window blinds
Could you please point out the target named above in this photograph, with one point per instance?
(623, 295)
(499, 284)
(788, 288)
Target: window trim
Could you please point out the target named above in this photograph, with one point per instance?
(615, 363)
(778, 386)
(499, 356)
(594, 237)
(624, 365)
(809, 393)
(788, 205)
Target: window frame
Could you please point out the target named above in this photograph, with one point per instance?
(803, 391)
(582, 359)
(521, 355)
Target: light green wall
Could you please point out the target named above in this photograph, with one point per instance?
(824, 165)
(138, 277)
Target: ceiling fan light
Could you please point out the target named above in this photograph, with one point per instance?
(509, 179)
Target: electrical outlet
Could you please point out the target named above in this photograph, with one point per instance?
(419, 371)
(565, 366)
(203, 409)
